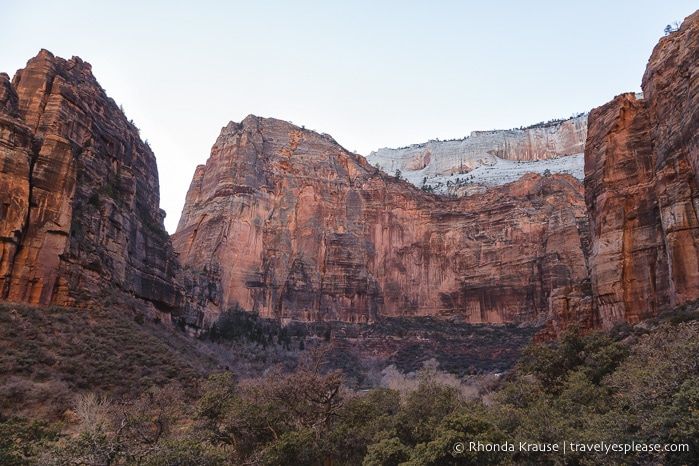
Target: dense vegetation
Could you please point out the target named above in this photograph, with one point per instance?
(635, 384)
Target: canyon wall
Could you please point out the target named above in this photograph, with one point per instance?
(489, 157)
(285, 222)
(641, 184)
(80, 212)
(296, 227)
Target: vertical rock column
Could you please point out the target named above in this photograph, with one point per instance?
(628, 261)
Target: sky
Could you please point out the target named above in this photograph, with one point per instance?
(371, 74)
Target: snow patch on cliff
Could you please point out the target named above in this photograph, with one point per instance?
(498, 173)
(489, 158)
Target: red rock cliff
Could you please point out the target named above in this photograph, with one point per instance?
(296, 227)
(642, 175)
(79, 211)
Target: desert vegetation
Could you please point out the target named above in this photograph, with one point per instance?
(114, 391)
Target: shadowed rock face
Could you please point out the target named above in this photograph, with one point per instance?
(642, 174)
(80, 203)
(628, 264)
(296, 227)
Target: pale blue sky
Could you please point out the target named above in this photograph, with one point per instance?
(370, 73)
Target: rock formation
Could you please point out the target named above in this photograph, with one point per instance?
(628, 264)
(80, 198)
(489, 158)
(642, 174)
(285, 222)
(296, 227)
(281, 221)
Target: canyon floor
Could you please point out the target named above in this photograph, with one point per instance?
(103, 386)
(48, 355)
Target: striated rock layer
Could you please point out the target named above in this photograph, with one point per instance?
(642, 175)
(79, 213)
(539, 142)
(285, 222)
(296, 227)
(281, 221)
(490, 158)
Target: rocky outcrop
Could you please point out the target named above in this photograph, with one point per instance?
(543, 141)
(16, 149)
(628, 264)
(671, 85)
(296, 227)
(280, 221)
(489, 158)
(642, 173)
(285, 222)
(80, 199)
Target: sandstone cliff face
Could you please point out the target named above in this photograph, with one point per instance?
(490, 158)
(628, 263)
(642, 171)
(281, 221)
(539, 142)
(16, 149)
(295, 227)
(80, 203)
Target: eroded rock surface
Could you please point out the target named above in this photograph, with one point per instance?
(642, 171)
(80, 208)
(296, 227)
(488, 158)
(285, 222)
